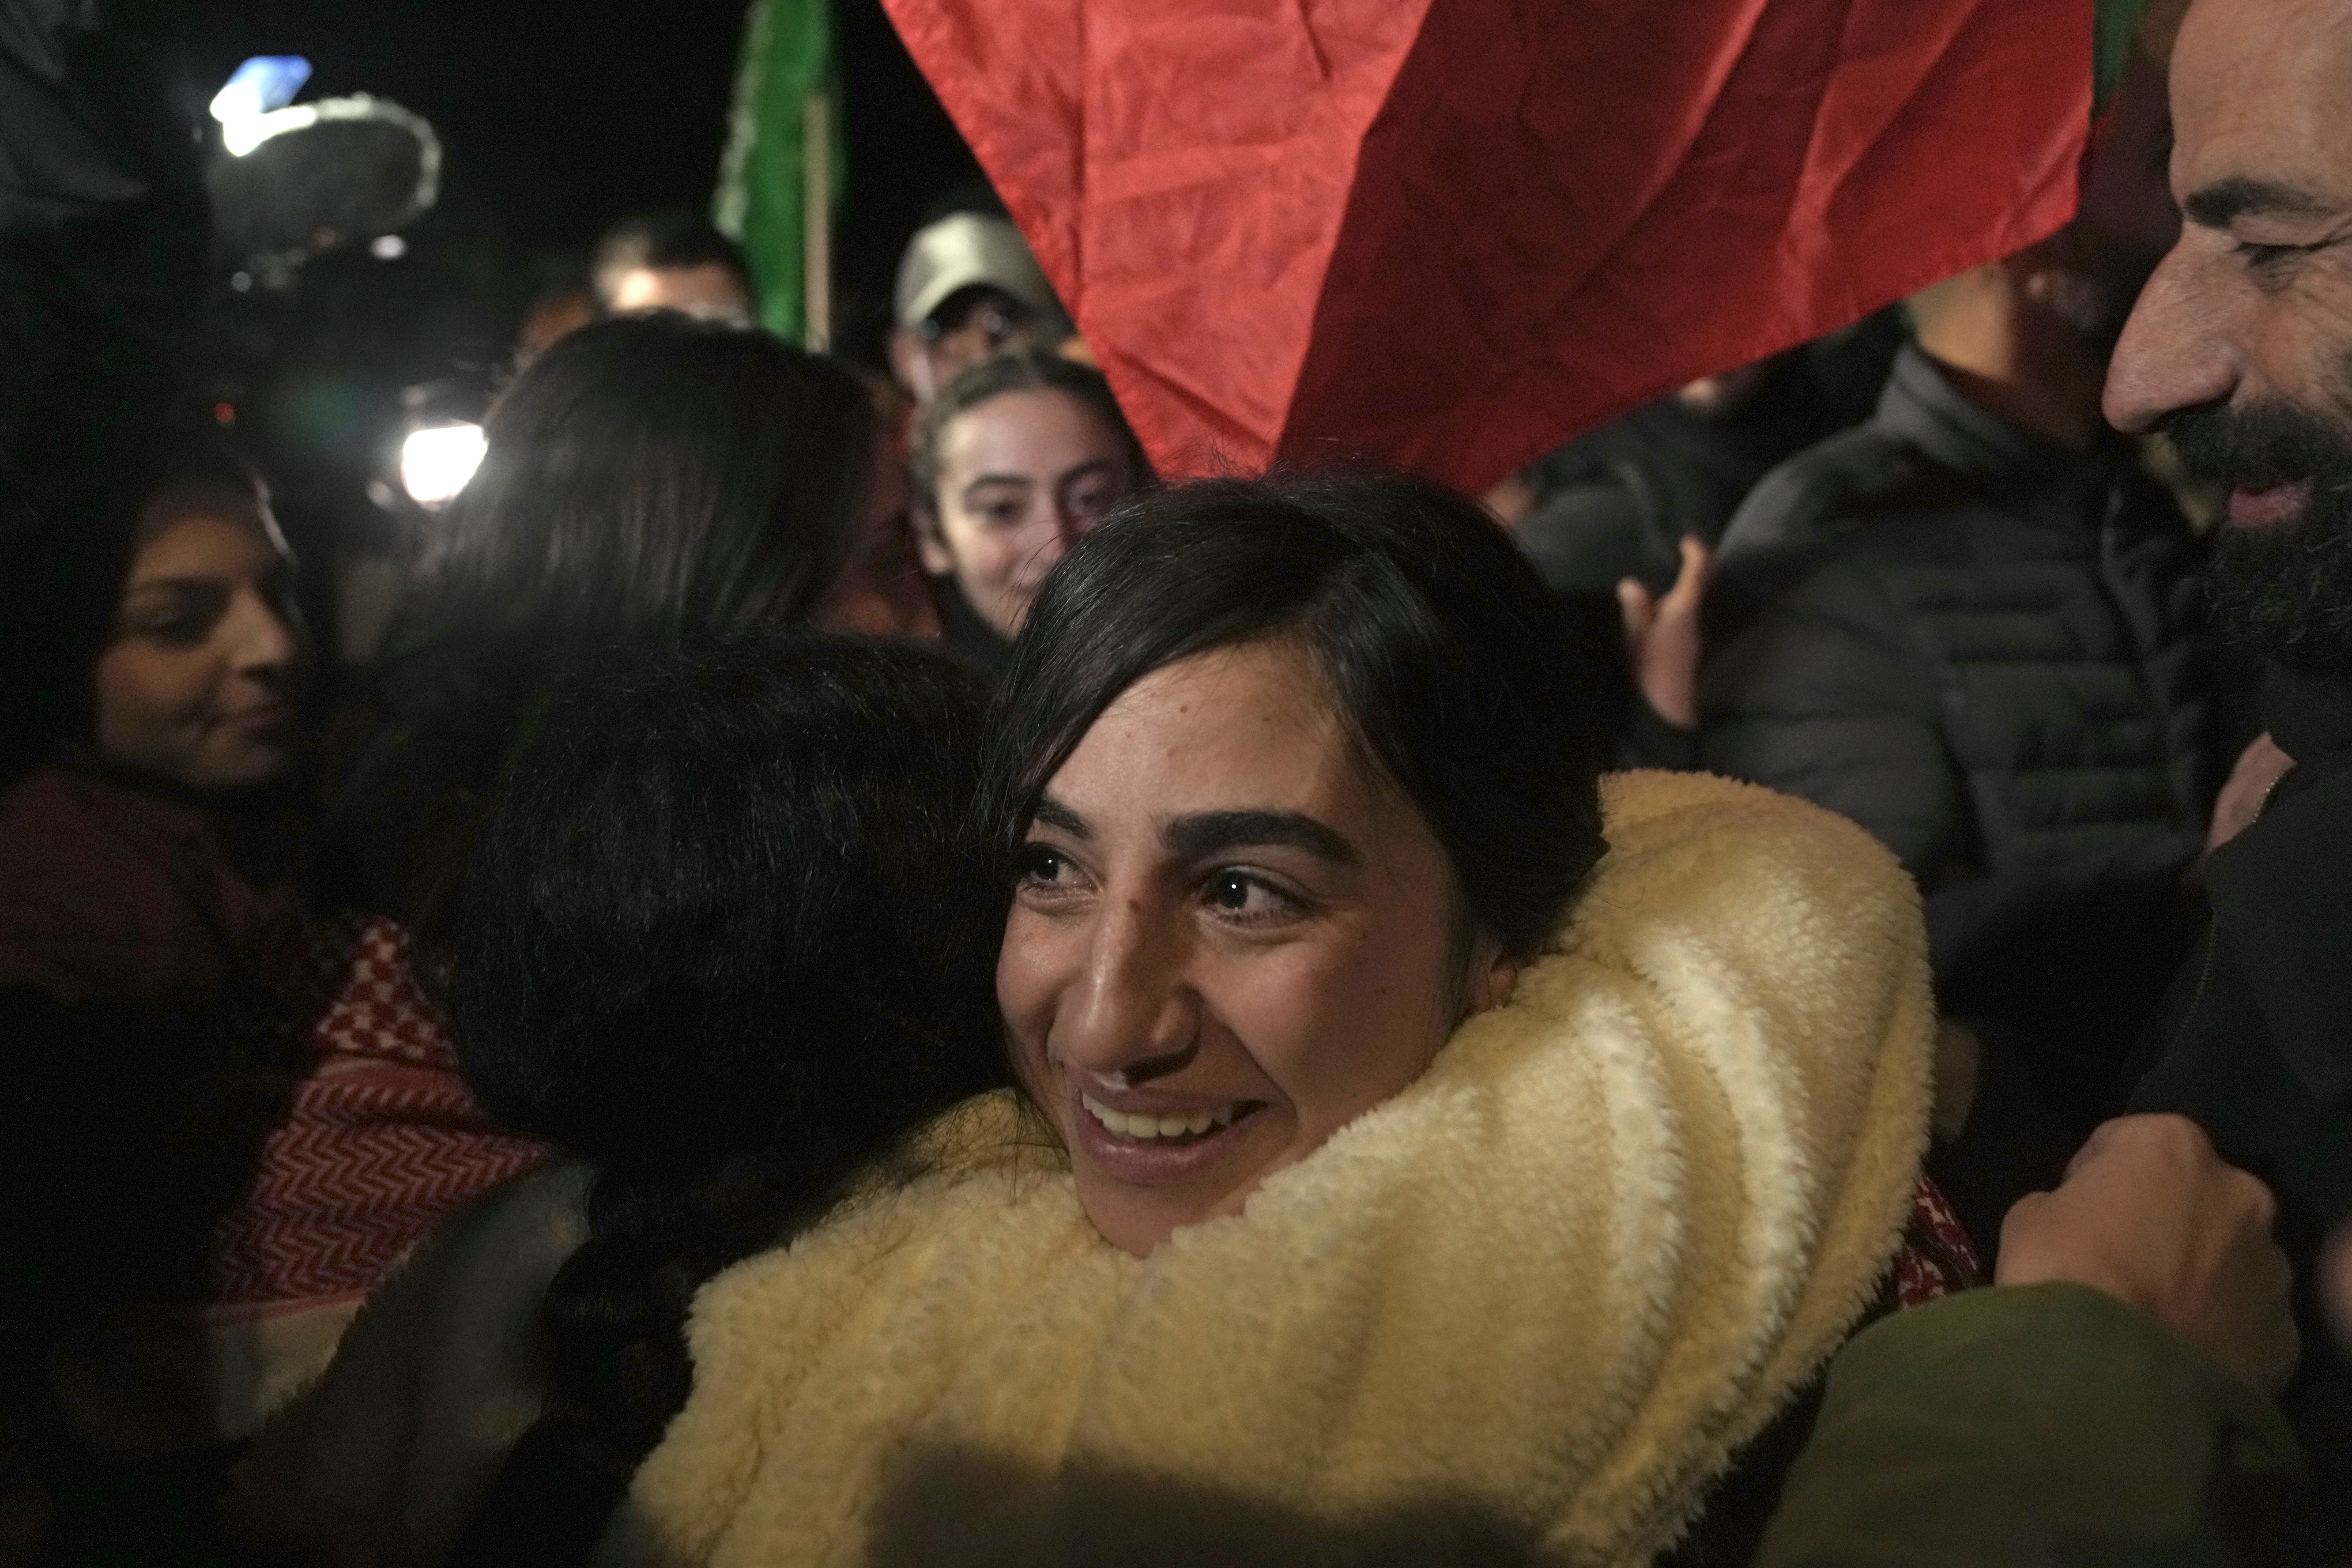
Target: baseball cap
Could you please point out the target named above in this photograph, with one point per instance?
(960, 251)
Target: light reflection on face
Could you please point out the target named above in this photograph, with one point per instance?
(1229, 939)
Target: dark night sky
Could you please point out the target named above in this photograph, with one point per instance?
(559, 117)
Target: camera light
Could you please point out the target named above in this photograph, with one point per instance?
(437, 463)
(261, 84)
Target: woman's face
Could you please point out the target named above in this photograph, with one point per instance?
(1230, 938)
(201, 679)
(1022, 476)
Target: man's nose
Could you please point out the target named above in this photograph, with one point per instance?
(1133, 1014)
(2174, 352)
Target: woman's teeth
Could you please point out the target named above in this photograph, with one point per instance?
(1192, 1124)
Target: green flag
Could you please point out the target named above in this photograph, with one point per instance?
(786, 99)
(2116, 19)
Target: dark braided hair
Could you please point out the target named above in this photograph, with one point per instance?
(727, 935)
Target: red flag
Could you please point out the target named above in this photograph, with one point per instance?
(1452, 235)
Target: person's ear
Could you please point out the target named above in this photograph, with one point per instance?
(1494, 975)
(930, 539)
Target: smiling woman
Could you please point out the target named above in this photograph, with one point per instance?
(1306, 801)
(1431, 1152)
(1012, 463)
(154, 978)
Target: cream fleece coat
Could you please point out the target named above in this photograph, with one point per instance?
(1528, 1309)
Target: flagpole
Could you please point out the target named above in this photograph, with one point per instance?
(816, 220)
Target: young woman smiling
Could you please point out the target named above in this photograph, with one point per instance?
(1010, 465)
(1429, 1152)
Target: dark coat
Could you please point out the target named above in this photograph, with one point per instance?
(1992, 654)
(1617, 501)
(2256, 1036)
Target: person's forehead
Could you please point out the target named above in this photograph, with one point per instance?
(205, 537)
(1251, 727)
(1038, 432)
(2261, 90)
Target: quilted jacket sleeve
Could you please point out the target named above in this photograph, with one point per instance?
(1824, 696)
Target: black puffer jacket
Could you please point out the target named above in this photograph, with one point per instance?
(1991, 653)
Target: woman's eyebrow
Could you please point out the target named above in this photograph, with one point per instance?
(1206, 833)
(1052, 813)
(177, 588)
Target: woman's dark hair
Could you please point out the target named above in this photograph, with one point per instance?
(654, 477)
(727, 935)
(648, 480)
(1444, 655)
(1028, 369)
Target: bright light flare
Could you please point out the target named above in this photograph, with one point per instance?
(242, 136)
(261, 84)
(435, 464)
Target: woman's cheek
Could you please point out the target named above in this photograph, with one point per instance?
(1025, 989)
(146, 697)
(1344, 1024)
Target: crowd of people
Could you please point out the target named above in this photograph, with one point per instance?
(861, 978)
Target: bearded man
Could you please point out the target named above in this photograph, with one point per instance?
(2240, 348)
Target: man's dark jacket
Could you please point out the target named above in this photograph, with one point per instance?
(1617, 501)
(1991, 653)
(2256, 1036)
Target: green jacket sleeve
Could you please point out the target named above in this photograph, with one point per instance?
(2032, 1426)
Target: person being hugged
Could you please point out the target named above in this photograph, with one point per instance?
(1426, 1148)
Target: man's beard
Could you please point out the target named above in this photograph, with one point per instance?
(2284, 590)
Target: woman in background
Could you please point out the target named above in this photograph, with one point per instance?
(154, 972)
(649, 480)
(140, 862)
(1013, 461)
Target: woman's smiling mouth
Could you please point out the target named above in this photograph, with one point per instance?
(1159, 1147)
(1144, 1127)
